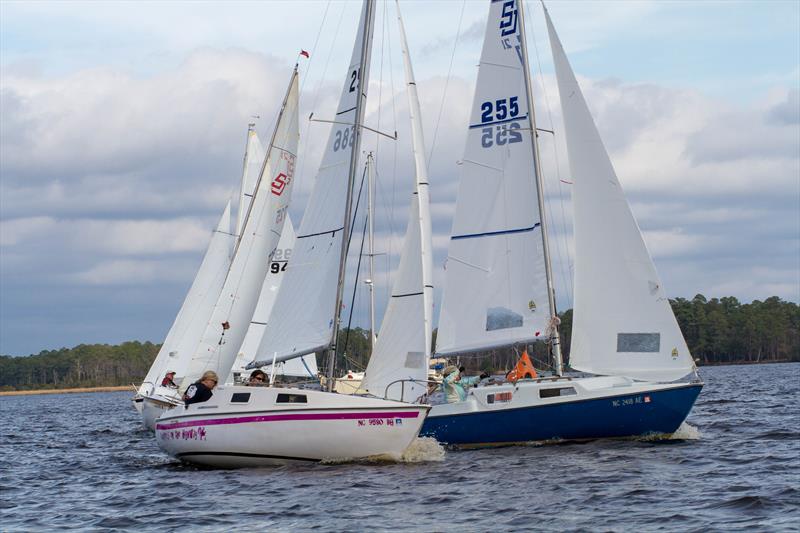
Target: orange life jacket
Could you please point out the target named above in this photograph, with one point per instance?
(523, 370)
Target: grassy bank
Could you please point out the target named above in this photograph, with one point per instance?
(64, 391)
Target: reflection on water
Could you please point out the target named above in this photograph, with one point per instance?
(81, 461)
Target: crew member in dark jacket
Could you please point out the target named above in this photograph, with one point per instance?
(200, 391)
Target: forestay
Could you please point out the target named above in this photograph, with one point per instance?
(303, 316)
(306, 366)
(402, 350)
(260, 233)
(495, 290)
(191, 321)
(253, 160)
(622, 322)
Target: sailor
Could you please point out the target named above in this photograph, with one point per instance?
(200, 391)
(257, 377)
(167, 381)
(455, 386)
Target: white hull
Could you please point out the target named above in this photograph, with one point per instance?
(268, 426)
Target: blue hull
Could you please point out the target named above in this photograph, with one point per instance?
(614, 416)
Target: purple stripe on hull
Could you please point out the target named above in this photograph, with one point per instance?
(282, 418)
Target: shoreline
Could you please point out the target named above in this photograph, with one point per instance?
(64, 391)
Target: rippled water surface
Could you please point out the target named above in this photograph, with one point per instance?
(81, 461)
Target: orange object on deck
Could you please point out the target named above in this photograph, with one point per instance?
(523, 370)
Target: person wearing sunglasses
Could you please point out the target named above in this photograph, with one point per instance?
(258, 377)
(200, 391)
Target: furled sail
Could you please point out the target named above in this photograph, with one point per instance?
(191, 321)
(260, 233)
(305, 366)
(303, 316)
(622, 322)
(495, 291)
(253, 159)
(402, 350)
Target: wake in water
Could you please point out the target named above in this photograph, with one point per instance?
(421, 450)
(685, 432)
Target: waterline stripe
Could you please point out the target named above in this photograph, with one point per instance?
(288, 417)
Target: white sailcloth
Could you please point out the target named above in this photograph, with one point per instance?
(302, 319)
(495, 291)
(260, 233)
(402, 350)
(304, 366)
(253, 160)
(191, 321)
(622, 322)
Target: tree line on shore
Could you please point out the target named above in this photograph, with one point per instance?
(718, 331)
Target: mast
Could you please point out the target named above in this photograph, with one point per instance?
(363, 76)
(554, 335)
(370, 219)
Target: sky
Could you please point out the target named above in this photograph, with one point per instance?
(123, 124)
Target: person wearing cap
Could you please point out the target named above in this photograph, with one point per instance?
(167, 381)
(200, 390)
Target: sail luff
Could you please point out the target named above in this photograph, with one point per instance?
(555, 342)
(422, 188)
(622, 320)
(402, 350)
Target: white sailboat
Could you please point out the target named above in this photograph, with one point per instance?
(499, 289)
(242, 426)
(184, 335)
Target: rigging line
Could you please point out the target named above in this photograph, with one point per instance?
(355, 286)
(360, 255)
(567, 276)
(300, 170)
(314, 47)
(446, 84)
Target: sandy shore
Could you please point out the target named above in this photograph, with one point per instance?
(62, 391)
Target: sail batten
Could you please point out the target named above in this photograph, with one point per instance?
(622, 320)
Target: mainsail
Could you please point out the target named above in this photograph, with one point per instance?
(303, 316)
(191, 321)
(622, 321)
(495, 291)
(402, 350)
(253, 159)
(260, 233)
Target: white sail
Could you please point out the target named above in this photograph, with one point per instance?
(253, 160)
(622, 321)
(304, 310)
(402, 350)
(495, 291)
(260, 233)
(191, 321)
(305, 366)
